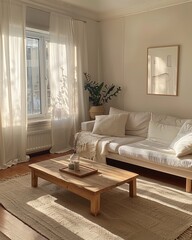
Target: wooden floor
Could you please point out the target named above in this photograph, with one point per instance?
(16, 229)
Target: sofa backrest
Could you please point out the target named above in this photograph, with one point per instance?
(137, 122)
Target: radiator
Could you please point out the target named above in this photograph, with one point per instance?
(38, 137)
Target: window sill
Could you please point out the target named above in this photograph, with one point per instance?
(38, 120)
(40, 124)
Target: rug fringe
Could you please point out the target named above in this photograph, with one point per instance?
(186, 235)
(15, 176)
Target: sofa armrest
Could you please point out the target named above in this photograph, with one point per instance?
(87, 126)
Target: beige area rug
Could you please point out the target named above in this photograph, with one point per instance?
(158, 212)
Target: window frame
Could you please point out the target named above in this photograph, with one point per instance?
(43, 37)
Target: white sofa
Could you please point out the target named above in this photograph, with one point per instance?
(150, 140)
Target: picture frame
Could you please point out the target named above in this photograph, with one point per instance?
(162, 74)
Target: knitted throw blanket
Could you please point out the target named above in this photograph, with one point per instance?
(91, 146)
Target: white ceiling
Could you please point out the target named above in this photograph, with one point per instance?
(109, 8)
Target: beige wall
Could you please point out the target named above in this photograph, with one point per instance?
(124, 44)
(93, 39)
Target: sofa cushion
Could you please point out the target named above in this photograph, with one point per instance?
(137, 122)
(155, 152)
(114, 145)
(164, 128)
(183, 146)
(110, 125)
(162, 133)
(168, 120)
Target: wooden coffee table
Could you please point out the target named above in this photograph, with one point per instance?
(89, 187)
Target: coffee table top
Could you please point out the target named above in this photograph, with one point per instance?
(106, 178)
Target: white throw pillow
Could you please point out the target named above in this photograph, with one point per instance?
(137, 122)
(110, 125)
(162, 133)
(185, 129)
(183, 146)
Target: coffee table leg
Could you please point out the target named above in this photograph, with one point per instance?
(95, 204)
(132, 188)
(34, 179)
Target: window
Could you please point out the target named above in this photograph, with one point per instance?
(38, 90)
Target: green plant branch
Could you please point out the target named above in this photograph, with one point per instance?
(100, 93)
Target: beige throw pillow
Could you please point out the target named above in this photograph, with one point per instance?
(110, 125)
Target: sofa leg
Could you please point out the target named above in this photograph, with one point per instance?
(188, 185)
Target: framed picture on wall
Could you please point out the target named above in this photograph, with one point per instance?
(163, 70)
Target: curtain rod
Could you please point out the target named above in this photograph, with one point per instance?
(79, 20)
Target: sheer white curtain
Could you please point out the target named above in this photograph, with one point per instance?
(12, 84)
(65, 82)
(81, 66)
